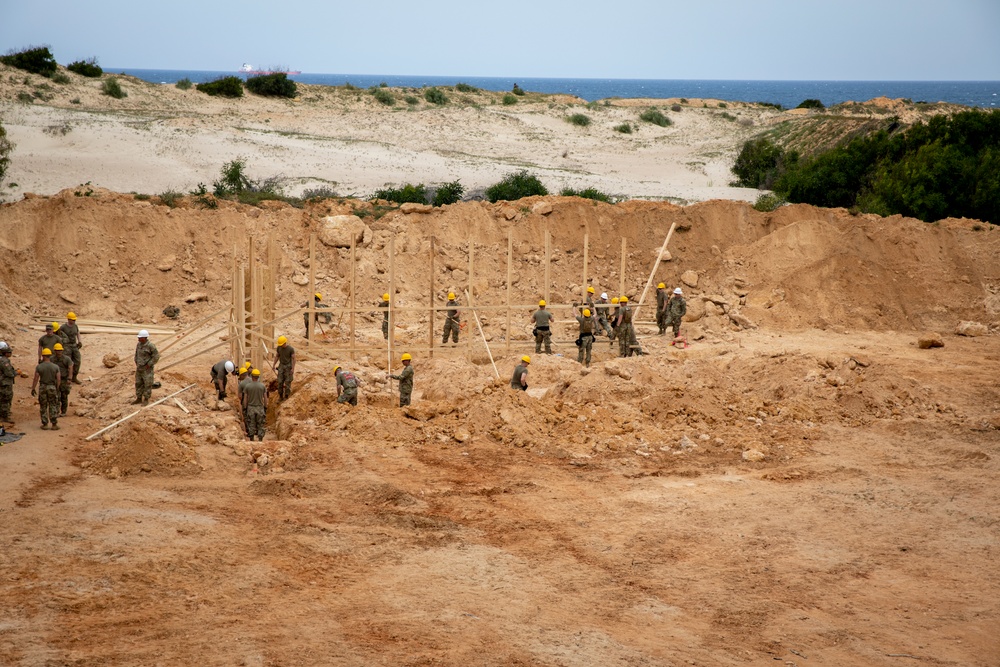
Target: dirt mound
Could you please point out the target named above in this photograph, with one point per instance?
(145, 448)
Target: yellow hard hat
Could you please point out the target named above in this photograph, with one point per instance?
(406, 357)
(55, 326)
(451, 296)
(614, 299)
(247, 365)
(624, 299)
(526, 359)
(46, 352)
(318, 296)
(335, 369)
(542, 302)
(255, 372)
(282, 340)
(71, 316)
(586, 312)
(58, 347)
(243, 370)
(385, 297)
(661, 286)
(590, 290)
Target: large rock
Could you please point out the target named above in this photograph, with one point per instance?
(929, 340)
(196, 296)
(689, 278)
(696, 310)
(338, 231)
(542, 208)
(411, 207)
(741, 321)
(166, 263)
(971, 329)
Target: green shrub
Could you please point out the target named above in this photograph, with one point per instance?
(232, 178)
(184, 84)
(408, 194)
(676, 108)
(411, 100)
(141, 197)
(88, 68)
(509, 99)
(517, 90)
(112, 88)
(6, 148)
(465, 88)
(435, 96)
(449, 193)
(61, 78)
(227, 86)
(75, 100)
(170, 198)
(624, 128)
(514, 186)
(320, 193)
(656, 117)
(384, 96)
(34, 59)
(588, 193)
(727, 115)
(810, 104)
(25, 98)
(772, 105)
(349, 86)
(684, 100)
(579, 119)
(767, 202)
(723, 105)
(271, 85)
(757, 163)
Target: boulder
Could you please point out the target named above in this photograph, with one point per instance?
(542, 208)
(753, 455)
(971, 329)
(411, 207)
(741, 321)
(68, 297)
(665, 256)
(689, 278)
(338, 231)
(196, 296)
(111, 360)
(929, 340)
(166, 263)
(300, 279)
(696, 310)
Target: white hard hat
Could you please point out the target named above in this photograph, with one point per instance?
(604, 295)
(677, 290)
(3, 345)
(230, 367)
(143, 334)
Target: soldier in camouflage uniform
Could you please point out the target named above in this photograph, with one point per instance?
(317, 303)
(286, 367)
(384, 307)
(7, 375)
(73, 344)
(587, 326)
(48, 339)
(676, 310)
(65, 365)
(615, 309)
(255, 403)
(519, 380)
(47, 375)
(347, 386)
(661, 308)
(405, 380)
(626, 333)
(543, 331)
(146, 356)
(602, 308)
(451, 323)
(245, 378)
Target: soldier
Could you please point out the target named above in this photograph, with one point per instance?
(451, 321)
(405, 380)
(220, 376)
(543, 331)
(589, 303)
(384, 306)
(47, 374)
(146, 356)
(347, 386)
(245, 379)
(48, 339)
(676, 310)
(602, 308)
(255, 404)
(73, 343)
(317, 303)
(7, 375)
(286, 368)
(587, 325)
(626, 333)
(65, 365)
(661, 308)
(519, 380)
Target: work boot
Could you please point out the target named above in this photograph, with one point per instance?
(55, 426)
(145, 402)
(137, 401)
(45, 426)
(62, 413)
(75, 381)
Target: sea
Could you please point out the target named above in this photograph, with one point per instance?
(786, 93)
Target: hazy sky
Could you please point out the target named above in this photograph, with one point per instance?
(647, 39)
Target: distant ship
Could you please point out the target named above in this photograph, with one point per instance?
(247, 68)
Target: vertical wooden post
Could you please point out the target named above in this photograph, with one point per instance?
(652, 274)
(468, 337)
(234, 352)
(548, 260)
(311, 301)
(430, 327)
(510, 265)
(621, 272)
(392, 297)
(241, 309)
(354, 263)
(586, 246)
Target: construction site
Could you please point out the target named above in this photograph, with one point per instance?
(809, 480)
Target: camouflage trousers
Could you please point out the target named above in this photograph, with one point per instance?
(450, 327)
(74, 355)
(404, 398)
(143, 384)
(586, 347)
(284, 382)
(6, 399)
(661, 320)
(543, 337)
(626, 338)
(349, 395)
(48, 403)
(385, 329)
(64, 389)
(256, 421)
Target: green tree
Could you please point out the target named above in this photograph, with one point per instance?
(272, 85)
(516, 185)
(6, 148)
(34, 59)
(756, 165)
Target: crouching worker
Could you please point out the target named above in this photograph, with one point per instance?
(220, 373)
(519, 380)
(255, 403)
(347, 386)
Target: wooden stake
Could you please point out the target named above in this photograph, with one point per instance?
(392, 296)
(510, 270)
(354, 265)
(468, 299)
(312, 289)
(468, 338)
(621, 272)
(125, 419)
(652, 274)
(586, 246)
(430, 328)
(181, 406)
(548, 260)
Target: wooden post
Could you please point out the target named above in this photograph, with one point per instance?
(241, 309)
(621, 272)
(468, 299)
(652, 274)
(584, 284)
(354, 263)
(311, 301)
(510, 265)
(548, 259)
(392, 297)
(430, 327)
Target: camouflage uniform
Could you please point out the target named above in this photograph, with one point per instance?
(614, 323)
(7, 375)
(661, 309)
(515, 379)
(602, 316)
(586, 338)
(384, 305)
(349, 387)
(146, 356)
(405, 385)
(451, 323)
(72, 346)
(326, 317)
(48, 392)
(255, 399)
(286, 370)
(626, 333)
(47, 342)
(219, 372)
(241, 387)
(65, 364)
(676, 310)
(543, 332)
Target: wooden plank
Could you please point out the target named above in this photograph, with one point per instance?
(510, 265)
(392, 297)
(548, 261)
(430, 319)
(311, 301)
(585, 284)
(468, 292)
(468, 298)
(181, 406)
(652, 274)
(145, 407)
(621, 271)
(354, 267)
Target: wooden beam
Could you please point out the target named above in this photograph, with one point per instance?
(585, 284)
(621, 271)
(354, 265)
(548, 260)
(510, 264)
(392, 297)
(311, 301)
(652, 274)
(146, 407)
(468, 298)
(430, 319)
(468, 292)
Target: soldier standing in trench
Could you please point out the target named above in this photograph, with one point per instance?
(48, 339)
(255, 399)
(146, 356)
(587, 325)
(73, 344)
(543, 329)
(661, 308)
(317, 303)
(384, 307)
(286, 367)
(676, 310)
(519, 379)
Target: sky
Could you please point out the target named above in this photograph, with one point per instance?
(857, 40)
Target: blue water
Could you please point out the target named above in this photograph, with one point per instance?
(786, 93)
